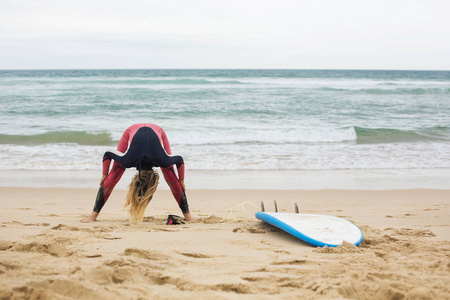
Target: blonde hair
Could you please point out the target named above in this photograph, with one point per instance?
(140, 192)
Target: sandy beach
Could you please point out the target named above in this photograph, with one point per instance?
(48, 252)
(337, 108)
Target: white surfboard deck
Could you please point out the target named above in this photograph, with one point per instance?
(317, 230)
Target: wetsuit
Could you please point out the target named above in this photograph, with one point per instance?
(143, 146)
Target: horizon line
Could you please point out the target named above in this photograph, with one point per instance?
(281, 69)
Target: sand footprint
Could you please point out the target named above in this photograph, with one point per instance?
(290, 262)
(238, 288)
(54, 249)
(210, 220)
(411, 232)
(54, 289)
(195, 255)
(5, 245)
(154, 255)
(250, 229)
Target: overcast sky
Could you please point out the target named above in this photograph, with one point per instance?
(295, 34)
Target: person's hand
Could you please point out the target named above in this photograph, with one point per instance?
(103, 179)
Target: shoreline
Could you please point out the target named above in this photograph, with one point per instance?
(374, 179)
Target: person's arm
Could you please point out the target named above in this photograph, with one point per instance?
(122, 147)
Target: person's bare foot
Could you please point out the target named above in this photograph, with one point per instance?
(188, 217)
(92, 217)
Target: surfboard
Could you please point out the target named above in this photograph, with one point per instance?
(317, 230)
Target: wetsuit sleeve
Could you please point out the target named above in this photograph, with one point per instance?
(122, 147)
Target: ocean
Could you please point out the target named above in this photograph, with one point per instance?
(229, 119)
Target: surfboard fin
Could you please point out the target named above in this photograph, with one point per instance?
(262, 206)
(296, 208)
(276, 207)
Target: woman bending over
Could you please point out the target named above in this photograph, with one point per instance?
(142, 146)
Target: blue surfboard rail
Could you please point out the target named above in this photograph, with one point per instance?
(289, 229)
